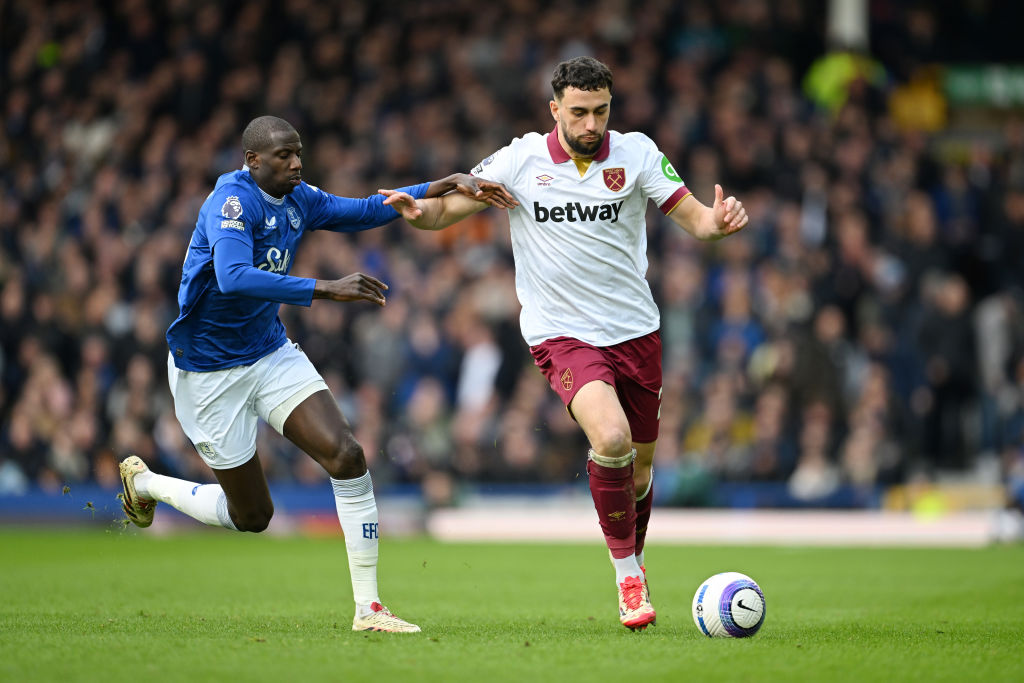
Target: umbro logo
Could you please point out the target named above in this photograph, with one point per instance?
(544, 180)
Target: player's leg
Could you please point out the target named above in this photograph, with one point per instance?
(240, 501)
(610, 467)
(582, 376)
(296, 402)
(596, 408)
(638, 384)
(643, 485)
(215, 412)
(318, 427)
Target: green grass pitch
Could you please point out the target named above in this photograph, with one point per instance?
(130, 606)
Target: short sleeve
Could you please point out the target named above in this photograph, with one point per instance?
(659, 180)
(498, 167)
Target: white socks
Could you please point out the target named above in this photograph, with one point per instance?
(353, 498)
(357, 512)
(625, 567)
(205, 502)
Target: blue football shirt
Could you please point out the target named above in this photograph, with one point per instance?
(228, 304)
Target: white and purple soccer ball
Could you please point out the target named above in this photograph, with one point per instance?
(729, 605)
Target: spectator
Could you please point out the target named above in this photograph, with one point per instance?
(116, 120)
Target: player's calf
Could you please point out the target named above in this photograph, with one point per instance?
(255, 520)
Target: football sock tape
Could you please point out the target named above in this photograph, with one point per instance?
(605, 461)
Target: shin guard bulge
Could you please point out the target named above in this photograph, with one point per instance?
(615, 501)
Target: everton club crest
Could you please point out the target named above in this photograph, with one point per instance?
(615, 178)
(293, 218)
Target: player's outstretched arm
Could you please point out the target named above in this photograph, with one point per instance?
(355, 287)
(434, 213)
(714, 222)
(492, 193)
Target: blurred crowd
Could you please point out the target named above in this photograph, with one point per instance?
(865, 328)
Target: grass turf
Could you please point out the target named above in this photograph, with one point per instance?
(127, 605)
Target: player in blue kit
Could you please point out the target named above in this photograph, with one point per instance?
(231, 363)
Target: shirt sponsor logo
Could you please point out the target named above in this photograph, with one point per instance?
(275, 262)
(232, 207)
(615, 178)
(293, 218)
(237, 225)
(574, 212)
(669, 170)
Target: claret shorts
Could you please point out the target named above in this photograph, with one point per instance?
(632, 367)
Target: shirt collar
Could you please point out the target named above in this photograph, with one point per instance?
(559, 155)
(273, 200)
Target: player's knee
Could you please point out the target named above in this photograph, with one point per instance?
(255, 520)
(348, 460)
(613, 441)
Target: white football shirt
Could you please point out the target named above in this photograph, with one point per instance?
(580, 242)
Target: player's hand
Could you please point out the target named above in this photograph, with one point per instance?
(355, 287)
(492, 193)
(403, 203)
(728, 213)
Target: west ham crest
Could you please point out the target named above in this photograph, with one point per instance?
(615, 178)
(567, 379)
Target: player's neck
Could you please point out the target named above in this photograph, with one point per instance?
(267, 192)
(264, 190)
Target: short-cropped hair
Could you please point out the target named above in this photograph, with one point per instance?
(257, 135)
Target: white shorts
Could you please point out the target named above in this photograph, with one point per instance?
(220, 410)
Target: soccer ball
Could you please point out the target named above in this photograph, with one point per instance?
(728, 605)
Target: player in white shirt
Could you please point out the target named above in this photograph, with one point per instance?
(579, 240)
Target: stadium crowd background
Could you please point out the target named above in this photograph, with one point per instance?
(865, 330)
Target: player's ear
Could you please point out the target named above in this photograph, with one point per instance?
(553, 105)
(252, 159)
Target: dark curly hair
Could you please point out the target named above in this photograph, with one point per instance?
(582, 73)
